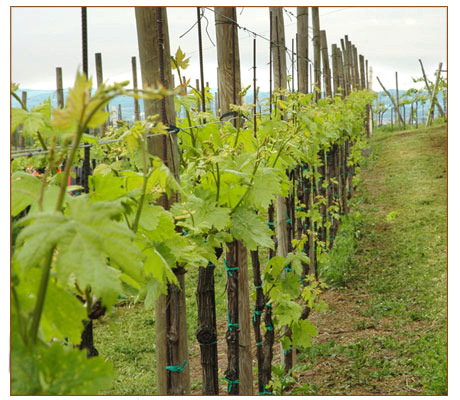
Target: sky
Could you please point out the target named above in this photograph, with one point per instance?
(391, 38)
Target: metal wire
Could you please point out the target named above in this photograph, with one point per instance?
(174, 129)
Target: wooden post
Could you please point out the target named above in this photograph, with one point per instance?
(302, 48)
(279, 50)
(356, 66)
(170, 313)
(229, 78)
(362, 72)
(59, 88)
(397, 102)
(341, 73)
(136, 101)
(346, 68)
(348, 55)
(433, 97)
(120, 115)
(326, 67)
(99, 81)
(335, 69)
(430, 93)
(367, 74)
(392, 100)
(316, 51)
(24, 101)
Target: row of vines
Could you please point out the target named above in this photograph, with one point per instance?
(137, 228)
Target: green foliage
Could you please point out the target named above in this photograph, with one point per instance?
(117, 236)
(56, 369)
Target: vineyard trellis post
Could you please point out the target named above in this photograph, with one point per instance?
(433, 99)
(302, 49)
(170, 316)
(24, 101)
(280, 82)
(99, 81)
(239, 369)
(362, 72)
(428, 88)
(335, 73)
(357, 69)
(395, 106)
(316, 52)
(326, 67)
(345, 66)
(59, 88)
(397, 102)
(136, 101)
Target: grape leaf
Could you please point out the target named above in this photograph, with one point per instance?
(303, 332)
(180, 60)
(89, 242)
(265, 187)
(251, 229)
(201, 215)
(56, 370)
(25, 190)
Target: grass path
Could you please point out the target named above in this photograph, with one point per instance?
(385, 330)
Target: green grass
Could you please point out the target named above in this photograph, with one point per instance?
(399, 267)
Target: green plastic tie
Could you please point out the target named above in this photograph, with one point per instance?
(268, 304)
(288, 220)
(300, 209)
(260, 343)
(208, 344)
(269, 328)
(288, 269)
(300, 180)
(176, 368)
(229, 270)
(265, 392)
(231, 383)
(269, 223)
(230, 325)
(256, 313)
(258, 287)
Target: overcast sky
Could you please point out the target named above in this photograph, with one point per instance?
(391, 38)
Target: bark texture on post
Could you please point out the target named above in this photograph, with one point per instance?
(302, 48)
(59, 88)
(316, 51)
(136, 101)
(279, 49)
(392, 100)
(433, 97)
(326, 67)
(430, 92)
(362, 72)
(206, 332)
(170, 313)
(228, 59)
(229, 79)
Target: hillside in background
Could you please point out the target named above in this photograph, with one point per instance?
(35, 97)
